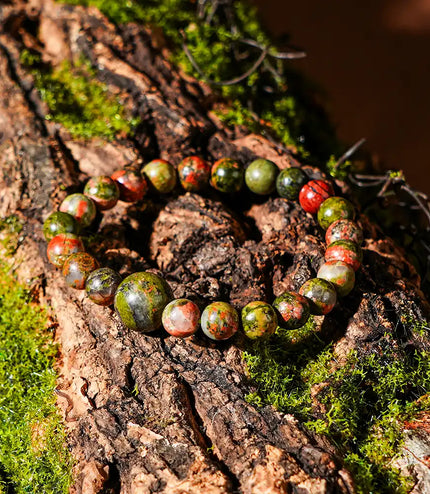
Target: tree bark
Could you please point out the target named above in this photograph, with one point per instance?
(150, 413)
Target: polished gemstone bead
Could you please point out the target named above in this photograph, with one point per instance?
(220, 321)
(161, 175)
(141, 299)
(314, 193)
(259, 320)
(333, 209)
(194, 173)
(81, 207)
(227, 176)
(321, 295)
(340, 274)
(77, 268)
(103, 191)
(59, 222)
(290, 182)
(181, 317)
(344, 230)
(346, 251)
(132, 185)
(260, 176)
(293, 310)
(101, 285)
(62, 246)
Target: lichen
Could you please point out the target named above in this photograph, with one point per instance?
(360, 405)
(77, 100)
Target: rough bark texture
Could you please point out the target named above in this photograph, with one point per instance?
(155, 413)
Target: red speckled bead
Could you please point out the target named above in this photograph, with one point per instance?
(103, 191)
(62, 246)
(194, 173)
(293, 310)
(132, 185)
(321, 295)
(181, 318)
(314, 193)
(77, 268)
(81, 207)
(346, 251)
(344, 230)
(220, 321)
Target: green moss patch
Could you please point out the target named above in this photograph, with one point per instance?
(77, 100)
(360, 405)
(33, 455)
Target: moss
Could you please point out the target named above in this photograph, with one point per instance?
(33, 457)
(77, 100)
(10, 228)
(360, 405)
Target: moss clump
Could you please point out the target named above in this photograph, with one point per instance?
(360, 405)
(77, 100)
(33, 457)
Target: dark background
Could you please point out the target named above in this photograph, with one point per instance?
(372, 58)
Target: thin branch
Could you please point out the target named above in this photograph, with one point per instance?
(349, 153)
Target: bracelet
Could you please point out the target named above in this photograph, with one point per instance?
(144, 301)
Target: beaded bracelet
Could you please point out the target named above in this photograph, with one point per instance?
(144, 300)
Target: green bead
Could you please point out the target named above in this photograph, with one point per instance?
(259, 320)
(81, 207)
(77, 268)
(101, 285)
(59, 222)
(219, 321)
(227, 176)
(321, 295)
(141, 299)
(260, 176)
(290, 182)
(333, 209)
(161, 175)
(292, 309)
(103, 191)
(340, 274)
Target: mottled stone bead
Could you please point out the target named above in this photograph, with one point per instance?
(290, 182)
(293, 310)
(103, 191)
(314, 193)
(340, 274)
(77, 268)
(131, 184)
(227, 176)
(260, 176)
(333, 209)
(346, 251)
(344, 230)
(141, 299)
(220, 321)
(194, 173)
(161, 175)
(62, 246)
(101, 286)
(81, 207)
(59, 222)
(259, 320)
(181, 318)
(321, 295)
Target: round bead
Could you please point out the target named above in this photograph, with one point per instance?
(77, 268)
(181, 318)
(346, 251)
(81, 207)
(220, 321)
(131, 184)
(259, 320)
(62, 246)
(321, 294)
(333, 209)
(314, 193)
(101, 286)
(161, 175)
(290, 182)
(194, 173)
(103, 191)
(344, 230)
(141, 299)
(340, 274)
(227, 176)
(59, 222)
(260, 176)
(293, 310)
